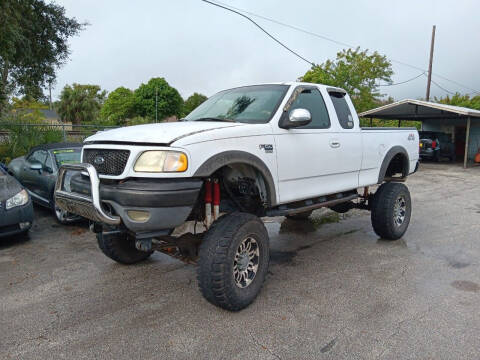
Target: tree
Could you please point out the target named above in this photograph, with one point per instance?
(356, 72)
(33, 44)
(80, 103)
(157, 91)
(119, 106)
(461, 100)
(192, 102)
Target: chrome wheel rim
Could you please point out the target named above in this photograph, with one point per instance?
(62, 215)
(399, 210)
(245, 263)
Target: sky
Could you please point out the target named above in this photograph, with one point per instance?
(198, 47)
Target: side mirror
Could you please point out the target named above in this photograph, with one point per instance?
(296, 118)
(36, 166)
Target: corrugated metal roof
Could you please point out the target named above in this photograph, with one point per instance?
(410, 109)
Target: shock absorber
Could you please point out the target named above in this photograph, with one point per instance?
(208, 202)
(216, 199)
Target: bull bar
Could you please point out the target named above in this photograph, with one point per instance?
(89, 207)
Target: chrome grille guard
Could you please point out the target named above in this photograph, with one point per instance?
(89, 207)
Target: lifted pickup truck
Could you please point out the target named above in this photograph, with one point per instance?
(245, 153)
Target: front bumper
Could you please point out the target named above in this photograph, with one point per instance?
(11, 219)
(168, 202)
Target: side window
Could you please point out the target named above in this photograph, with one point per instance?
(49, 162)
(38, 156)
(343, 111)
(312, 100)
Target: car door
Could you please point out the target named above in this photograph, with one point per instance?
(311, 158)
(31, 178)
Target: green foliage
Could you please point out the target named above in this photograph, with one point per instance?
(169, 100)
(21, 137)
(192, 102)
(119, 106)
(461, 100)
(80, 103)
(356, 72)
(33, 44)
(27, 103)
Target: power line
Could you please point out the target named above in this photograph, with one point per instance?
(229, 7)
(265, 31)
(403, 82)
(448, 91)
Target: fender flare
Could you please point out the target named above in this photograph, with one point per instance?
(240, 157)
(388, 157)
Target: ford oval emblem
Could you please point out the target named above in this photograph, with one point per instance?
(99, 160)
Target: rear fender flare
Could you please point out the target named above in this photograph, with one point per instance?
(389, 156)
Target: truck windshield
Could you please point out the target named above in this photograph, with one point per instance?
(250, 104)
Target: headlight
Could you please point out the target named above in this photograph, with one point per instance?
(17, 200)
(161, 161)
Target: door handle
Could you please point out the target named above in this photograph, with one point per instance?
(334, 143)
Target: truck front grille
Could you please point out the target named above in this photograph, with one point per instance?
(107, 161)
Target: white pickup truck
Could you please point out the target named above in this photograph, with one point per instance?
(250, 152)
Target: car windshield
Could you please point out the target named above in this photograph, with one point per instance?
(250, 104)
(67, 156)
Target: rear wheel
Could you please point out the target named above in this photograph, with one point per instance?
(391, 211)
(233, 262)
(121, 248)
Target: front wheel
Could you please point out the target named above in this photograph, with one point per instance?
(391, 211)
(233, 261)
(121, 248)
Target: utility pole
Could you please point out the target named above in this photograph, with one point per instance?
(156, 104)
(429, 81)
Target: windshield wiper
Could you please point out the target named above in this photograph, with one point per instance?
(213, 119)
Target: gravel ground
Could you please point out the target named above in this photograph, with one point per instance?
(334, 290)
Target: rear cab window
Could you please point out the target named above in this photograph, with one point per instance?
(342, 109)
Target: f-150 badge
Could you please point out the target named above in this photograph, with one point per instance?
(267, 147)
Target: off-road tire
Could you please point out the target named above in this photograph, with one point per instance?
(121, 249)
(300, 216)
(216, 260)
(382, 212)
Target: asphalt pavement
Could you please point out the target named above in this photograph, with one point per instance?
(334, 290)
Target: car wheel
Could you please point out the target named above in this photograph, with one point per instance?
(64, 217)
(391, 211)
(233, 262)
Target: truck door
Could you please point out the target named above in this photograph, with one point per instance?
(313, 159)
(348, 137)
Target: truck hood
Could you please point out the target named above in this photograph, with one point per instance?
(160, 133)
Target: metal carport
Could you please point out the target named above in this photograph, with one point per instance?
(436, 116)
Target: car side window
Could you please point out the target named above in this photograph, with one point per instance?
(341, 108)
(38, 156)
(49, 162)
(312, 100)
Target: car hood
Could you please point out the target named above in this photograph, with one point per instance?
(160, 133)
(8, 186)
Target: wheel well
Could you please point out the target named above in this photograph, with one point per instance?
(245, 186)
(397, 165)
